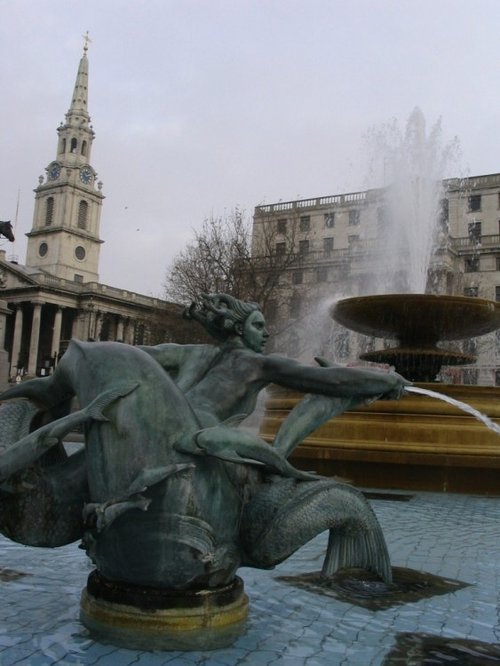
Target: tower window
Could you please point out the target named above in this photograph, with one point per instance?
(80, 253)
(49, 211)
(83, 212)
(73, 146)
(42, 250)
(84, 148)
(63, 146)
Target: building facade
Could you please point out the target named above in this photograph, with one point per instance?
(56, 295)
(337, 242)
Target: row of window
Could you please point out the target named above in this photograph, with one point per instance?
(82, 218)
(304, 245)
(73, 147)
(328, 218)
(471, 263)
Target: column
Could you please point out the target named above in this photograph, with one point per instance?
(35, 338)
(119, 330)
(4, 357)
(56, 333)
(16, 342)
(98, 325)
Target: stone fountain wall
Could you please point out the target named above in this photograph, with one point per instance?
(416, 443)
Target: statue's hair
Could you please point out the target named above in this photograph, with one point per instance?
(220, 313)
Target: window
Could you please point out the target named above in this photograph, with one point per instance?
(445, 210)
(43, 249)
(73, 146)
(79, 278)
(271, 309)
(329, 220)
(470, 376)
(282, 225)
(303, 246)
(305, 223)
(497, 377)
(280, 248)
(471, 291)
(295, 306)
(321, 274)
(474, 203)
(471, 263)
(498, 263)
(83, 210)
(497, 293)
(80, 253)
(297, 277)
(352, 240)
(49, 211)
(84, 148)
(354, 216)
(328, 244)
(63, 146)
(475, 231)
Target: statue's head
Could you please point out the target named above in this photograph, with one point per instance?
(224, 317)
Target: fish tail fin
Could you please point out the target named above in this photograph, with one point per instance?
(349, 548)
(94, 410)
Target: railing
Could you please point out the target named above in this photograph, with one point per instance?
(471, 243)
(300, 204)
(95, 288)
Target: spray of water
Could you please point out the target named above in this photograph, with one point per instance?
(463, 406)
(411, 166)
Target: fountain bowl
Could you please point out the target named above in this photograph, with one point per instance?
(418, 319)
(418, 322)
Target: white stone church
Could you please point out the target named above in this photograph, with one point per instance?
(57, 295)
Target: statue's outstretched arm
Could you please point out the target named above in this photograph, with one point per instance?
(336, 381)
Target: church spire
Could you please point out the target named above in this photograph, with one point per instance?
(78, 107)
(76, 134)
(64, 239)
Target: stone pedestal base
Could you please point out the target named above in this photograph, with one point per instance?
(156, 619)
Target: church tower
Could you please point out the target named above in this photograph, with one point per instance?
(64, 239)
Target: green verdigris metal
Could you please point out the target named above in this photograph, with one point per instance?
(169, 492)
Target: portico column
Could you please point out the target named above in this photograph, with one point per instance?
(98, 325)
(35, 338)
(119, 330)
(56, 333)
(16, 342)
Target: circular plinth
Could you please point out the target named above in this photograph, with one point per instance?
(154, 619)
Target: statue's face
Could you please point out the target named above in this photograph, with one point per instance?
(255, 333)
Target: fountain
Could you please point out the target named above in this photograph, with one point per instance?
(419, 322)
(417, 443)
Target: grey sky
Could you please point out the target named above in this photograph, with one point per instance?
(202, 105)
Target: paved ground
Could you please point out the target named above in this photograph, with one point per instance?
(453, 536)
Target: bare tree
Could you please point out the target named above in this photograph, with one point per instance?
(227, 256)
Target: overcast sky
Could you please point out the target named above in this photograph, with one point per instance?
(203, 105)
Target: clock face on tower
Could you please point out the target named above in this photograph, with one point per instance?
(54, 171)
(86, 175)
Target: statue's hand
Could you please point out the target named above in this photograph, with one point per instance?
(398, 389)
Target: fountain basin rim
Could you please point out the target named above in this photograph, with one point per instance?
(420, 319)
